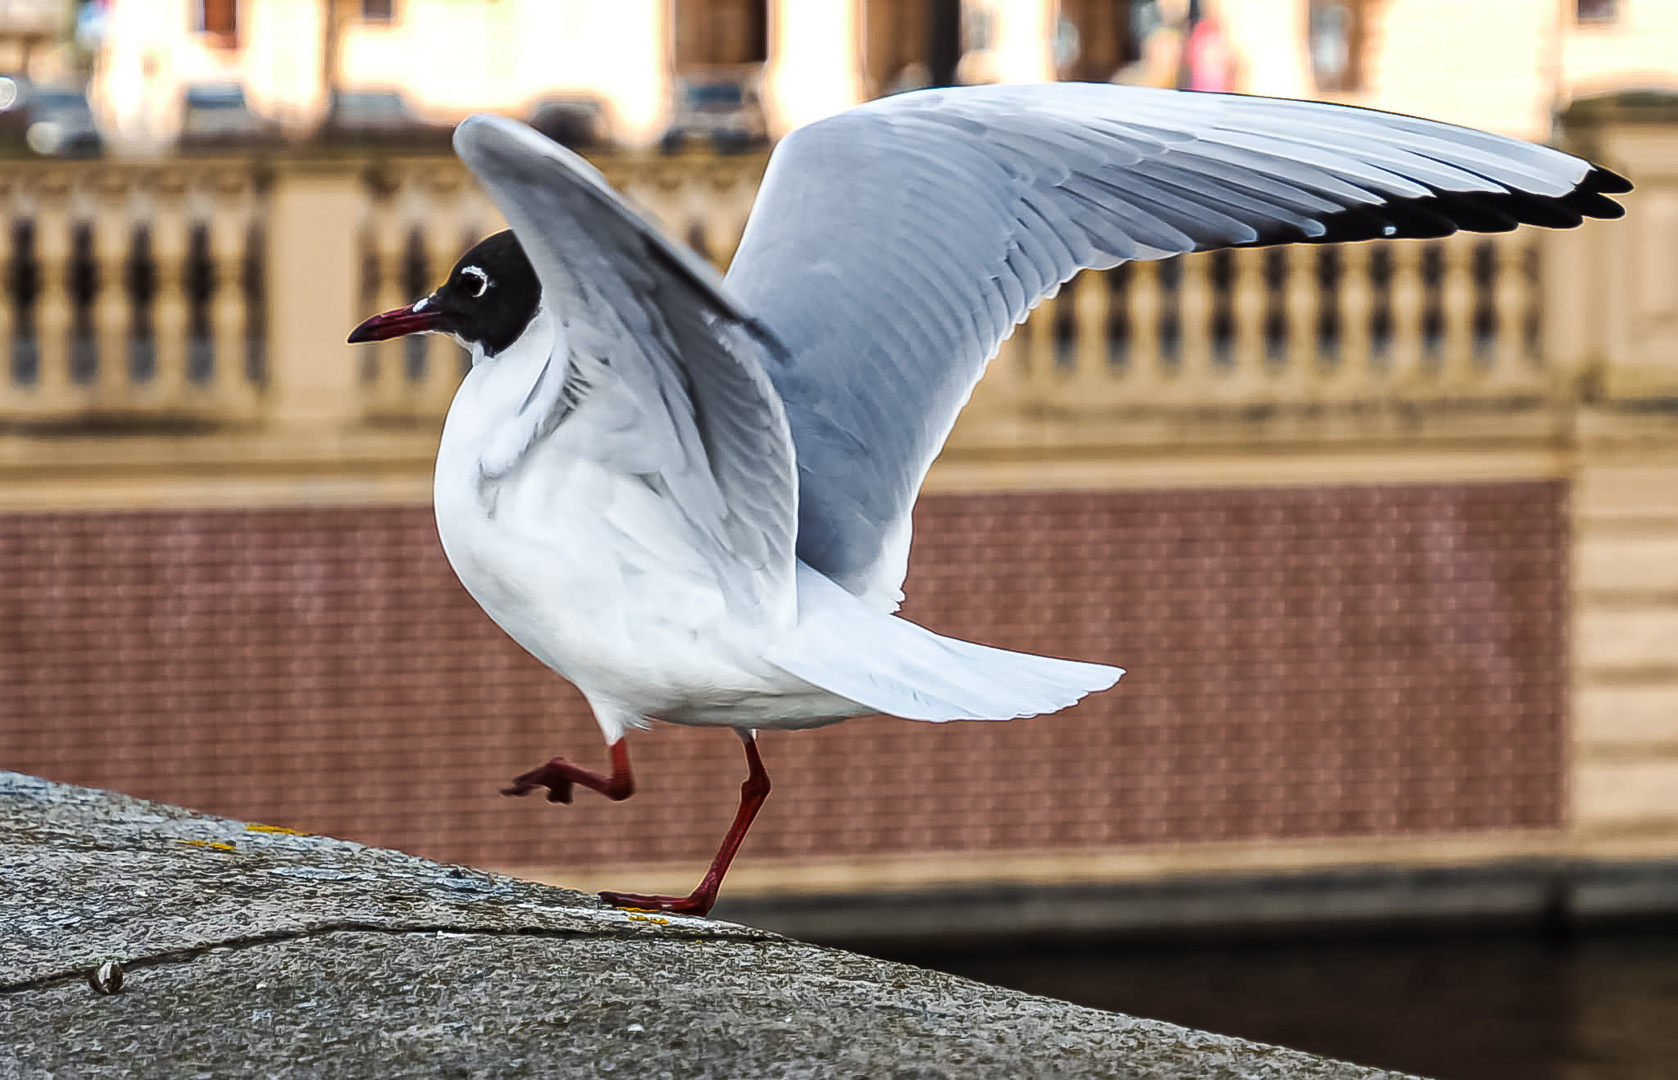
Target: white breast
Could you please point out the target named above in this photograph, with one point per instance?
(587, 566)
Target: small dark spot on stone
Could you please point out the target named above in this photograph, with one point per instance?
(900, 985)
(106, 978)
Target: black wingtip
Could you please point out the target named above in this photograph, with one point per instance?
(1593, 204)
(1441, 213)
(1604, 181)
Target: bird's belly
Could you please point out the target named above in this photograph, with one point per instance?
(595, 578)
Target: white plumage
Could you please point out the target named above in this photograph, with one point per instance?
(692, 497)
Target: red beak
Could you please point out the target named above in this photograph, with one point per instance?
(398, 323)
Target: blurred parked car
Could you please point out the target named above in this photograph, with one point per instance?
(577, 122)
(215, 116)
(14, 117)
(381, 118)
(721, 108)
(61, 123)
(46, 120)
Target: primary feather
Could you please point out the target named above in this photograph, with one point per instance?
(893, 247)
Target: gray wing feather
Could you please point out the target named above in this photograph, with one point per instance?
(659, 319)
(894, 246)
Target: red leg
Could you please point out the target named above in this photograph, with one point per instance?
(558, 775)
(700, 900)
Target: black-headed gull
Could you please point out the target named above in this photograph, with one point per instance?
(691, 495)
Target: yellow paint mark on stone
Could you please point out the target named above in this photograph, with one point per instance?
(646, 918)
(281, 829)
(215, 845)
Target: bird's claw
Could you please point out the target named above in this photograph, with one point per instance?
(551, 776)
(695, 904)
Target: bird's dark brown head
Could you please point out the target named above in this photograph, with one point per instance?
(489, 298)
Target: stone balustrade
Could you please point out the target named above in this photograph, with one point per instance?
(139, 294)
(132, 292)
(142, 293)
(1341, 324)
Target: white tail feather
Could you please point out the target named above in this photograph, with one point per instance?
(893, 666)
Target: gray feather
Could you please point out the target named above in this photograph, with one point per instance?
(894, 246)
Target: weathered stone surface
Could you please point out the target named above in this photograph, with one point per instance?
(253, 952)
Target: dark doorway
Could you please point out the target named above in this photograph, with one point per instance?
(1094, 39)
(910, 44)
(943, 40)
(714, 33)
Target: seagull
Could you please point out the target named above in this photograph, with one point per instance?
(690, 495)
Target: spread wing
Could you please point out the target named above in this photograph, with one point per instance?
(894, 246)
(708, 431)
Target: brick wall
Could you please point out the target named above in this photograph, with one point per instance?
(1309, 662)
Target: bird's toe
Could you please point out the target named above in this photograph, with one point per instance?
(552, 776)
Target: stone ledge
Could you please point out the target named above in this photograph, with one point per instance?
(253, 951)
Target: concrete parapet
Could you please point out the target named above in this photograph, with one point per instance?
(245, 950)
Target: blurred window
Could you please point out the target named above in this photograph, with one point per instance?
(216, 96)
(1336, 31)
(219, 20)
(370, 106)
(61, 101)
(1596, 11)
(378, 10)
(1094, 39)
(712, 33)
(909, 44)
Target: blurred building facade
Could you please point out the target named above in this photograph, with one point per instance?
(1385, 534)
(1502, 65)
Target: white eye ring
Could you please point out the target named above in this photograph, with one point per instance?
(483, 279)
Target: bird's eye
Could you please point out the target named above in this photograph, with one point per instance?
(479, 282)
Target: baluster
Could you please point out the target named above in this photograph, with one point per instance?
(1145, 381)
(1248, 305)
(1301, 301)
(1195, 378)
(1329, 271)
(386, 236)
(113, 233)
(1063, 331)
(1116, 333)
(256, 354)
(8, 317)
(1539, 281)
(1407, 301)
(1038, 338)
(1357, 374)
(1511, 301)
(230, 222)
(1094, 381)
(170, 306)
(411, 207)
(1456, 365)
(52, 305)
